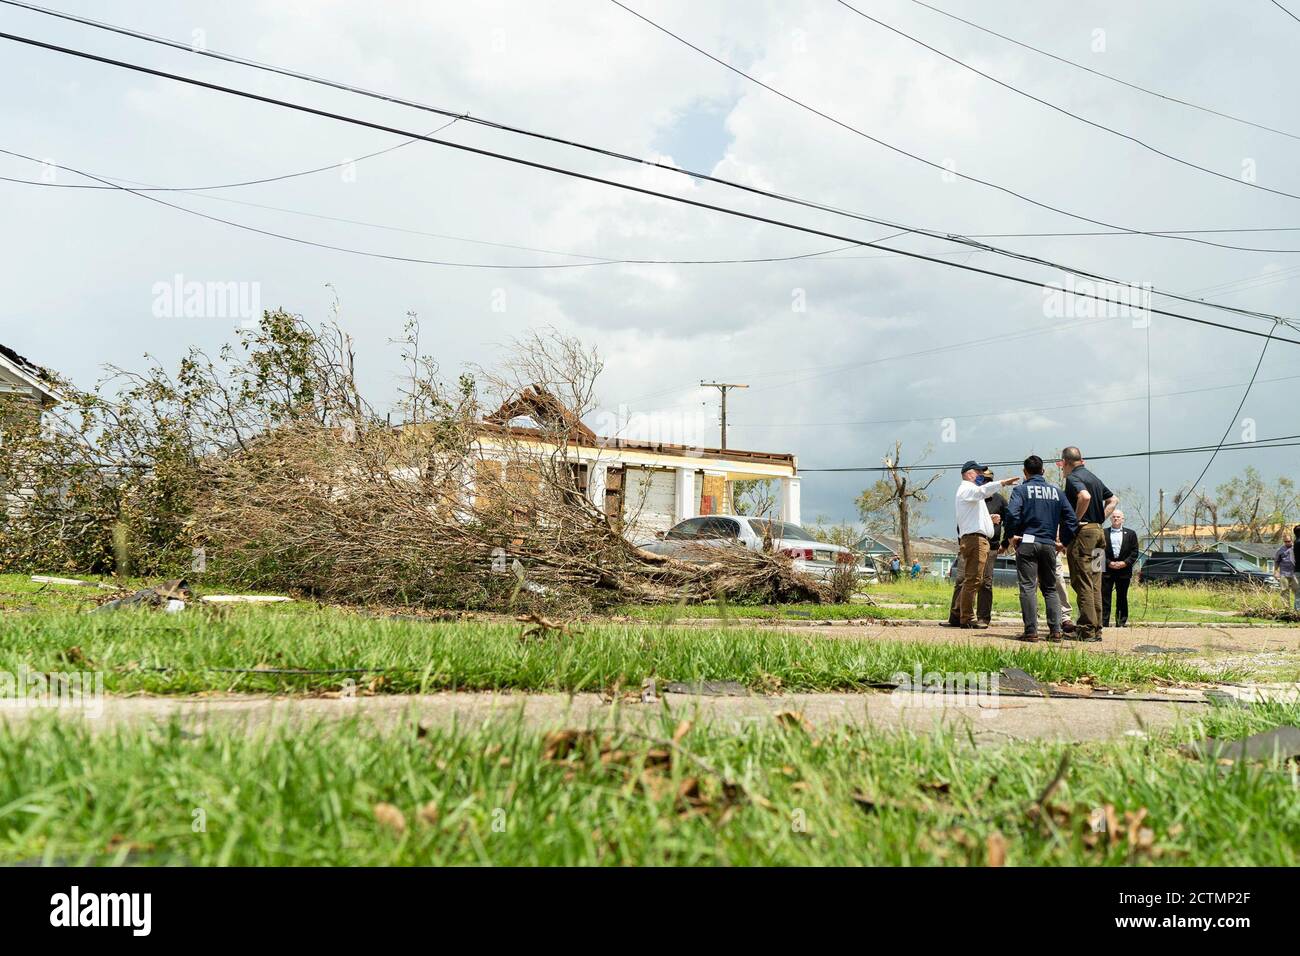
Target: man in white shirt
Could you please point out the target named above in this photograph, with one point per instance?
(974, 530)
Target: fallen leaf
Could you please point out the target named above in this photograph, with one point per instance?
(428, 814)
(390, 817)
(997, 849)
(794, 719)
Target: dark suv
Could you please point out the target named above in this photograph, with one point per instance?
(1203, 567)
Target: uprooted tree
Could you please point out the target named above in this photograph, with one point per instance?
(269, 462)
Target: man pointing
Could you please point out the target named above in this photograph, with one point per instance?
(974, 532)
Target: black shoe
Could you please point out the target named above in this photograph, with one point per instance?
(1068, 627)
(1054, 637)
(975, 626)
(950, 623)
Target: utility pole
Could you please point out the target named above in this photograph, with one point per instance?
(1160, 540)
(722, 387)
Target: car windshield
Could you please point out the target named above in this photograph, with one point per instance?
(1241, 564)
(780, 529)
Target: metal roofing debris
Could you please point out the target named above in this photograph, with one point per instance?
(1281, 742)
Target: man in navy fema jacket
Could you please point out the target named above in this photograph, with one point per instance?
(1036, 515)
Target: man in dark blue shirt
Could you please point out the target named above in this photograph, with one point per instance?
(1036, 516)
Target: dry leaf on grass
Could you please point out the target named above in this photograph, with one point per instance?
(390, 817)
(996, 846)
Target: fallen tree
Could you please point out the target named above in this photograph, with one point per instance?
(283, 477)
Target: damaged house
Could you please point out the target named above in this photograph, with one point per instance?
(25, 389)
(644, 487)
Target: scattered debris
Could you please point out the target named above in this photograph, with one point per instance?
(1223, 698)
(1018, 681)
(74, 582)
(649, 691)
(1282, 743)
(244, 598)
(537, 626)
(170, 596)
(708, 688)
(1157, 649)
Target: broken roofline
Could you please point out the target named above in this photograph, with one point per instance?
(599, 443)
(28, 372)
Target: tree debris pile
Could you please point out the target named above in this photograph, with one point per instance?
(274, 472)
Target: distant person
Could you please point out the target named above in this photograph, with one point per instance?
(916, 569)
(1295, 536)
(1086, 555)
(998, 544)
(1284, 561)
(1041, 522)
(975, 528)
(1121, 555)
(894, 568)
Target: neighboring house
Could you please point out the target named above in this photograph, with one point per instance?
(937, 555)
(644, 487)
(1258, 553)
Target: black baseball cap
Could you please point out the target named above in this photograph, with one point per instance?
(972, 464)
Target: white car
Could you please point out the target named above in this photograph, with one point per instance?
(689, 540)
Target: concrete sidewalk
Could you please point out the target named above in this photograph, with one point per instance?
(987, 719)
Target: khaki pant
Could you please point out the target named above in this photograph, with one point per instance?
(983, 602)
(974, 554)
(1086, 556)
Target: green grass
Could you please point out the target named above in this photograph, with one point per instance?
(1150, 605)
(152, 652)
(769, 794)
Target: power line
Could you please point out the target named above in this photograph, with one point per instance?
(890, 146)
(1062, 110)
(1013, 411)
(151, 188)
(1283, 441)
(587, 177)
(1285, 10)
(626, 158)
(1231, 424)
(1107, 76)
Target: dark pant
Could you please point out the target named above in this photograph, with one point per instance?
(1036, 569)
(983, 600)
(1119, 583)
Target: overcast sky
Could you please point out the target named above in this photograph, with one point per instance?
(814, 337)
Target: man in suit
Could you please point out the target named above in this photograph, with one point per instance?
(1121, 554)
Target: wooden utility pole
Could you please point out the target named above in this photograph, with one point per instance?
(722, 387)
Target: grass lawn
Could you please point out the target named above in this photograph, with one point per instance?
(243, 649)
(502, 794)
(1151, 605)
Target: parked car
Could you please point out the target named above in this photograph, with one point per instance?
(1004, 571)
(690, 540)
(1203, 567)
